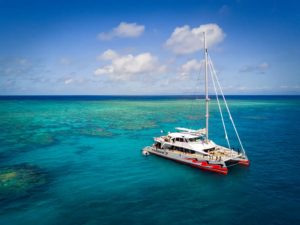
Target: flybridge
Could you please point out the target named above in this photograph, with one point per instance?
(200, 131)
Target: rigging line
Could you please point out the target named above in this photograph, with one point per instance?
(190, 122)
(189, 116)
(227, 107)
(226, 136)
(232, 165)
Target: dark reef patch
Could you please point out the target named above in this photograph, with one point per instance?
(19, 179)
(96, 132)
(168, 120)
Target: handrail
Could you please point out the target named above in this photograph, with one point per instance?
(223, 157)
(195, 155)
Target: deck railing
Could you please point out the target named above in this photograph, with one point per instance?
(209, 157)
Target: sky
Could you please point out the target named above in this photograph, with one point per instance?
(148, 47)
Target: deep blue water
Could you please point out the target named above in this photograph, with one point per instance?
(88, 150)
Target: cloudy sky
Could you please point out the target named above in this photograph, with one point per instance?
(50, 47)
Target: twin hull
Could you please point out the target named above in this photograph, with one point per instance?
(216, 166)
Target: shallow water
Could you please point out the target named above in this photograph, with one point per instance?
(89, 151)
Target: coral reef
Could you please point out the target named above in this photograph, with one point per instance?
(134, 125)
(169, 120)
(96, 132)
(20, 179)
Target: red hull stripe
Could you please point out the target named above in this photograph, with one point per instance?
(204, 163)
(201, 167)
(244, 162)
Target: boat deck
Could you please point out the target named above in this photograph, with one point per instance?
(222, 154)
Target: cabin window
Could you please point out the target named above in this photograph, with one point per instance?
(192, 152)
(180, 139)
(197, 139)
(209, 149)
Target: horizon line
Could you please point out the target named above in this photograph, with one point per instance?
(164, 95)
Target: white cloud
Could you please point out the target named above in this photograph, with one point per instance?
(128, 66)
(290, 87)
(191, 66)
(184, 40)
(263, 65)
(179, 78)
(254, 88)
(108, 55)
(69, 81)
(259, 67)
(183, 77)
(123, 30)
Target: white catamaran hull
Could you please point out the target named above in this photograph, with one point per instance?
(212, 165)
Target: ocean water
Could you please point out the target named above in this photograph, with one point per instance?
(77, 160)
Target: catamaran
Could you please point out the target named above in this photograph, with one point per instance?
(193, 147)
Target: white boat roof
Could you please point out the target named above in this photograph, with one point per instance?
(200, 131)
(198, 146)
(183, 134)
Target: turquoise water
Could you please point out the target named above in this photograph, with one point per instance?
(77, 160)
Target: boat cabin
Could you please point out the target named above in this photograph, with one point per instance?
(186, 141)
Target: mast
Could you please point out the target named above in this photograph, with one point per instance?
(206, 87)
